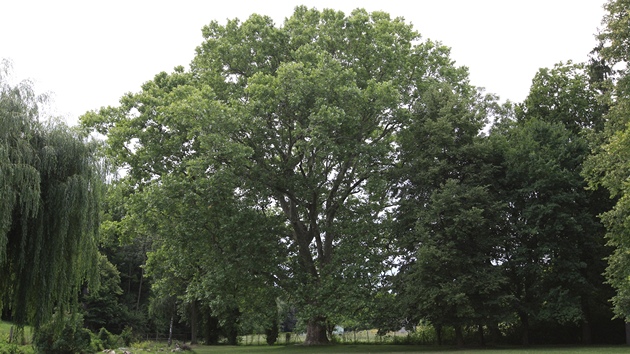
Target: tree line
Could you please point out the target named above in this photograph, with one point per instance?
(335, 170)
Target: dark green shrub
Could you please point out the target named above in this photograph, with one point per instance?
(65, 336)
(105, 340)
(13, 348)
(127, 336)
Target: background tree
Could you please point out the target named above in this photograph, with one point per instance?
(101, 306)
(446, 219)
(554, 245)
(50, 187)
(608, 166)
(220, 258)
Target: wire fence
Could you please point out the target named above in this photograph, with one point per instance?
(288, 338)
(363, 336)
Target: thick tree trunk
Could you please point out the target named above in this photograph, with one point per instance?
(271, 333)
(496, 334)
(316, 332)
(140, 288)
(524, 328)
(212, 329)
(438, 333)
(459, 336)
(193, 322)
(232, 326)
(628, 333)
(587, 331)
(482, 338)
(587, 337)
(170, 332)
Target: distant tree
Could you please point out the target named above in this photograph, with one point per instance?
(50, 188)
(101, 306)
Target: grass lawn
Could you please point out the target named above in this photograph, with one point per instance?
(5, 331)
(367, 348)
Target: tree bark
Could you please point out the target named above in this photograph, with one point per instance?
(232, 326)
(628, 333)
(193, 322)
(587, 337)
(496, 333)
(587, 331)
(438, 333)
(170, 332)
(212, 329)
(524, 328)
(316, 332)
(459, 336)
(140, 288)
(482, 338)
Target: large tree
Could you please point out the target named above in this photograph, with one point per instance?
(302, 119)
(608, 166)
(553, 246)
(50, 186)
(445, 227)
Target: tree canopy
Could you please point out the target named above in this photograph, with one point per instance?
(608, 166)
(50, 185)
(345, 168)
(299, 121)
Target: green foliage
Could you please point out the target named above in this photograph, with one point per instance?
(127, 336)
(608, 166)
(553, 246)
(615, 35)
(50, 187)
(277, 142)
(100, 304)
(564, 94)
(606, 169)
(14, 348)
(105, 340)
(447, 221)
(339, 163)
(63, 336)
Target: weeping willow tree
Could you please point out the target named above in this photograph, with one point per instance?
(49, 191)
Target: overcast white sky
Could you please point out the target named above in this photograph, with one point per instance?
(89, 53)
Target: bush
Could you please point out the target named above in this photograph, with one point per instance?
(65, 336)
(104, 340)
(13, 348)
(127, 336)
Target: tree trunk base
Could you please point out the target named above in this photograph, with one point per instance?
(316, 332)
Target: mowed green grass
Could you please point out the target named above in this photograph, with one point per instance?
(368, 348)
(5, 331)
(5, 327)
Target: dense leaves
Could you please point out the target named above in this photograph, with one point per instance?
(341, 167)
(50, 186)
(296, 122)
(608, 166)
